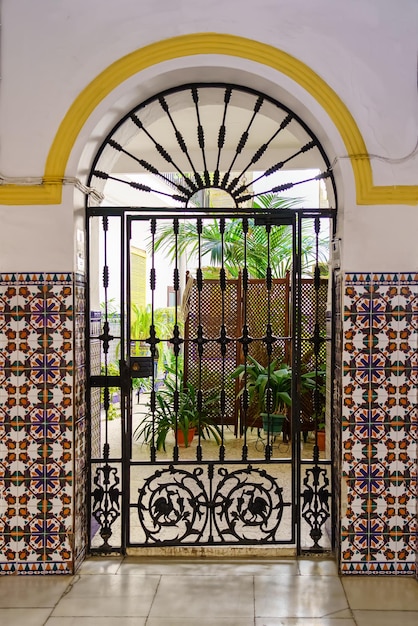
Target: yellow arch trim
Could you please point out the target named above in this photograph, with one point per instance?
(50, 191)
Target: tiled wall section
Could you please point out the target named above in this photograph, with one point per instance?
(43, 423)
(80, 426)
(379, 429)
(41, 407)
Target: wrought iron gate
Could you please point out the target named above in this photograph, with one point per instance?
(238, 482)
(254, 486)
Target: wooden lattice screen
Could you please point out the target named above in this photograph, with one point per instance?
(215, 372)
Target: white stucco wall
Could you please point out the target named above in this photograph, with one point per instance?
(366, 50)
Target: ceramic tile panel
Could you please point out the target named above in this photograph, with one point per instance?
(43, 422)
(80, 427)
(379, 423)
(37, 411)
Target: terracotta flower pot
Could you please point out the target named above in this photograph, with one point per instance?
(180, 437)
(321, 440)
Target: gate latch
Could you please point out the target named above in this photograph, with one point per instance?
(141, 366)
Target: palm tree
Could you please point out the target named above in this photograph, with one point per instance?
(230, 245)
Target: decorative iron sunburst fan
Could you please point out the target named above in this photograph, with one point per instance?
(208, 136)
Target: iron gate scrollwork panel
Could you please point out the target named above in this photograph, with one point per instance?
(106, 500)
(211, 505)
(316, 502)
(173, 506)
(251, 506)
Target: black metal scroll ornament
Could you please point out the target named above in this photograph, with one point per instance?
(172, 506)
(315, 502)
(251, 506)
(177, 506)
(105, 495)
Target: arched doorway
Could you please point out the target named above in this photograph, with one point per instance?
(195, 174)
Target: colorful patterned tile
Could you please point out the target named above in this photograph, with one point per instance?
(352, 450)
(380, 471)
(359, 279)
(383, 279)
(36, 433)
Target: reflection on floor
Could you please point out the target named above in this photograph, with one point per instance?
(207, 592)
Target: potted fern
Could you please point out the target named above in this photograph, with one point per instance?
(176, 410)
(270, 387)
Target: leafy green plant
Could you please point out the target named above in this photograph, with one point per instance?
(228, 247)
(318, 386)
(176, 408)
(110, 310)
(270, 386)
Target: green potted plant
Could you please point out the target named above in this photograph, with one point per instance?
(270, 387)
(185, 419)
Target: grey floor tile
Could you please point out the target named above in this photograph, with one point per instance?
(136, 566)
(304, 621)
(299, 596)
(111, 586)
(96, 621)
(386, 618)
(32, 591)
(98, 565)
(377, 593)
(317, 567)
(28, 617)
(205, 597)
(119, 607)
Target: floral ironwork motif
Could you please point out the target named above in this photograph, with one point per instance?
(176, 505)
(105, 495)
(315, 501)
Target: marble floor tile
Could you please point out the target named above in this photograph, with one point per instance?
(118, 607)
(96, 621)
(94, 595)
(98, 565)
(144, 591)
(26, 617)
(317, 567)
(112, 586)
(298, 596)
(32, 591)
(304, 621)
(381, 593)
(204, 596)
(386, 618)
(207, 567)
(200, 621)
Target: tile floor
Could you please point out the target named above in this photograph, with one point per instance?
(208, 592)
